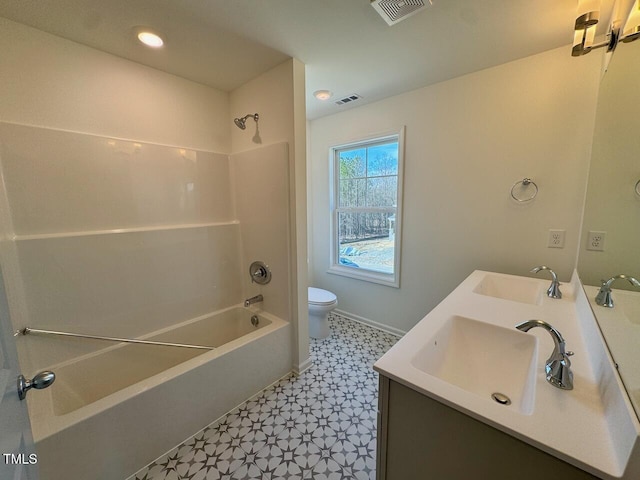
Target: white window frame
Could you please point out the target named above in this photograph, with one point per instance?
(388, 279)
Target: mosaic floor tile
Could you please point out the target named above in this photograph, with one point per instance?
(320, 425)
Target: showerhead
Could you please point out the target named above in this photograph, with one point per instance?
(241, 123)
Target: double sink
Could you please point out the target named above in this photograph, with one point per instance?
(484, 358)
(510, 287)
(467, 354)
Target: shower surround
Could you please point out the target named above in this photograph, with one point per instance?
(123, 238)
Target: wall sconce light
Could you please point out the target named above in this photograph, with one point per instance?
(585, 26)
(586, 22)
(588, 13)
(631, 29)
(583, 41)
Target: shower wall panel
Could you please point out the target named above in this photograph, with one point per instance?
(124, 285)
(261, 180)
(113, 237)
(60, 182)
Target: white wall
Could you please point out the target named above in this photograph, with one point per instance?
(278, 97)
(52, 82)
(468, 140)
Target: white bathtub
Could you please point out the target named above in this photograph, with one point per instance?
(110, 413)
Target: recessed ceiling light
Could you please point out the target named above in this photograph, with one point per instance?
(149, 38)
(323, 94)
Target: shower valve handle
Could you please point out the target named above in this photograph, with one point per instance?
(260, 273)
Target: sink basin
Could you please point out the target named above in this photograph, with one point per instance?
(483, 359)
(629, 302)
(625, 311)
(516, 289)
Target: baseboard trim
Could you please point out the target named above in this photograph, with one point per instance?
(300, 368)
(378, 326)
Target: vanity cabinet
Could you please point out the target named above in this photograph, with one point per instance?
(421, 438)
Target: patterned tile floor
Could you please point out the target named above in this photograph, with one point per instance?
(320, 425)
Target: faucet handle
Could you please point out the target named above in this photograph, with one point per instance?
(559, 373)
(604, 298)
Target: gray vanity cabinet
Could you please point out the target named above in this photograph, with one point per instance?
(421, 438)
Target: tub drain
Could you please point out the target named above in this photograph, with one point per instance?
(501, 398)
(255, 320)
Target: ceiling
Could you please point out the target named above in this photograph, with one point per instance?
(345, 44)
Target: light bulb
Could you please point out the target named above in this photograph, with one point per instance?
(150, 39)
(322, 94)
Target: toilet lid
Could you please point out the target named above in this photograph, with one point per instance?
(317, 296)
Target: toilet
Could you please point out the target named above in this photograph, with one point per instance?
(321, 302)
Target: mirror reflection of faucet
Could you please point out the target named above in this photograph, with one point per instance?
(604, 298)
(558, 365)
(554, 289)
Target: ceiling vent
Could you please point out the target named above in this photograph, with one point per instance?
(394, 11)
(348, 99)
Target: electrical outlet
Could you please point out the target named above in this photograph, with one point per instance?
(556, 239)
(595, 241)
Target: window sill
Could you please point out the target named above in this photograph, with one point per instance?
(386, 279)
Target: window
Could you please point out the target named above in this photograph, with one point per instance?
(366, 207)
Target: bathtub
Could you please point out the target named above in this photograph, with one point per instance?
(112, 412)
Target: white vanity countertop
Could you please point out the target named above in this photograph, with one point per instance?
(574, 425)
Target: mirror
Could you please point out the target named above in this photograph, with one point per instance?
(613, 206)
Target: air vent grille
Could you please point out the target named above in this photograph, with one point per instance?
(393, 11)
(348, 99)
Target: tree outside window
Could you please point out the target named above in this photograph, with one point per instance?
(366, 209)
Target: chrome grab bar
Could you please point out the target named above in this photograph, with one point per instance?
(37, 331)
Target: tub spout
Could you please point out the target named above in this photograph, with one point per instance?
(252, 300)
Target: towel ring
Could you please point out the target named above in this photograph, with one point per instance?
(637, 188)
(525, 183)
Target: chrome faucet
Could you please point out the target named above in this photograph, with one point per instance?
(554, 289)
(558, 366)
(252, 300)
(604, 297)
